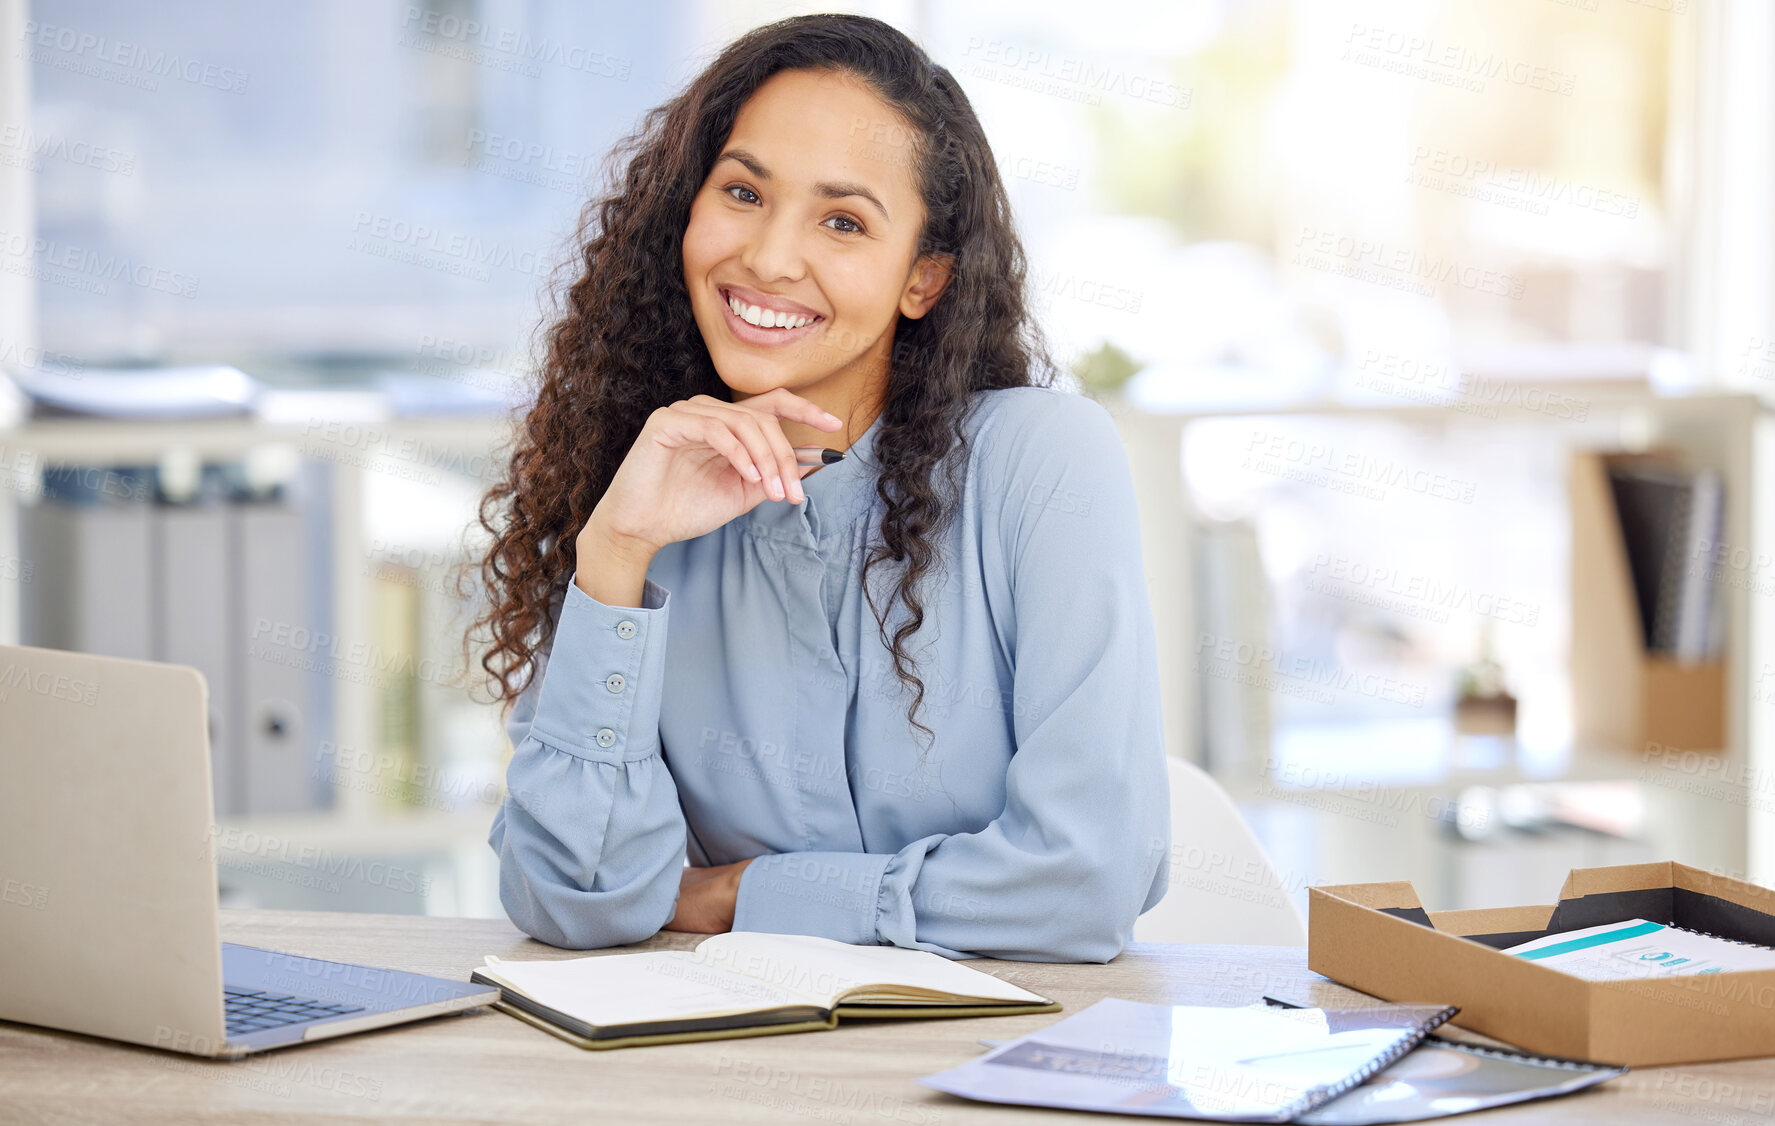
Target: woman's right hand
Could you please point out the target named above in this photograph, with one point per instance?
(701, 462)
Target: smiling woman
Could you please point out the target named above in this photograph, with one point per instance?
(811, 245)
(827, 238)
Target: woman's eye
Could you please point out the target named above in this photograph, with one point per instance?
(851, 225)
(742, 193)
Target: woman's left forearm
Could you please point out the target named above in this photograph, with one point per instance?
(706, 898)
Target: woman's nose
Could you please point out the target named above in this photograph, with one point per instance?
(775, 252)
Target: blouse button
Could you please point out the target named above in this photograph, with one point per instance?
(625, 629)
(606, 737)
(614, 682)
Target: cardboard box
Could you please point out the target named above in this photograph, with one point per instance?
(1378, 938)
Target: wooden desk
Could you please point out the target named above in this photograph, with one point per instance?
(488, 1067)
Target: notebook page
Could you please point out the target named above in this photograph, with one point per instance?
(822, 970)
(637, 988)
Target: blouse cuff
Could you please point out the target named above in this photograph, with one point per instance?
(601, 693)
(824, 894)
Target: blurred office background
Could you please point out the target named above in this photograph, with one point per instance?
(1383, 295)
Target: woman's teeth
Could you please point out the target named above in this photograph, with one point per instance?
(766, 318)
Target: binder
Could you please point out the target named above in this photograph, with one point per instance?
(190, 610)
(91, 585)
(277, 645)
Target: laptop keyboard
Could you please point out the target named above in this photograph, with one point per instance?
(255, 1010)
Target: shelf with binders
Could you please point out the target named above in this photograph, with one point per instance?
(212, 566)
(399, 748)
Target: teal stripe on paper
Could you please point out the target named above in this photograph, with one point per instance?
(1593, 940)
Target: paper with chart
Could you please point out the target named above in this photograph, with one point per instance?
(1636, 948)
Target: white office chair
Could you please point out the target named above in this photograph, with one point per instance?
(1223, 887)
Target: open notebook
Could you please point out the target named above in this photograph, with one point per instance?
(743, 983)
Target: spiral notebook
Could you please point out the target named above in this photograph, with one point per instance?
(1442, 1077)
(1252, 1064)
(1637, 949)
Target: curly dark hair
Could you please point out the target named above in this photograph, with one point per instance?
(626, 343)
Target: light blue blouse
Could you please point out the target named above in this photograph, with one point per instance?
(767, 720)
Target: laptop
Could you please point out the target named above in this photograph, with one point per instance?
(108, 894)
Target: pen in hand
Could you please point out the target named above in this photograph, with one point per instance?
(817, 455)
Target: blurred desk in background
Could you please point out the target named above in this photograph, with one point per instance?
(1478, 821)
